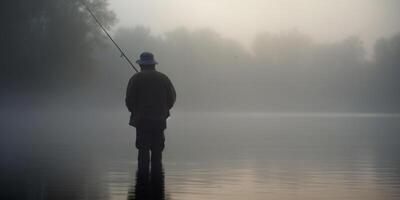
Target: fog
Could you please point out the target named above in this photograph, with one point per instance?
(288, 63)
(275, 99)
(288, 72)
(323, 20)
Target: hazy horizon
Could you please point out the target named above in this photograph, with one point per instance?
(322, 20)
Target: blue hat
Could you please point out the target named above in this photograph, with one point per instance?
(146, 58)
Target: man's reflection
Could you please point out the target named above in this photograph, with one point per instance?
(149, 185)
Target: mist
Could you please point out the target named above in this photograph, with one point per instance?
(275, 99)
(283, 69)
(287, 72)
(325, 21)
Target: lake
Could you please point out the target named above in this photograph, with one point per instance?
(91, 155)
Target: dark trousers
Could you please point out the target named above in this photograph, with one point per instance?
(149, 138)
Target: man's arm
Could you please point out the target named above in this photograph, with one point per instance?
(130, 96)
(171, 96)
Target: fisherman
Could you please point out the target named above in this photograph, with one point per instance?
(149, 97)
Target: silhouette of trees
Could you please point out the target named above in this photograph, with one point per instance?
(49, 41)
(302, 74)
(287, 71)
(201, 63)
(387, 53)
(384, 80)
(56, 41)
(285, 49)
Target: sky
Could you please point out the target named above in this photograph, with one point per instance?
(324, 20)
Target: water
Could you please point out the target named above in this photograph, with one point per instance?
(90, 155)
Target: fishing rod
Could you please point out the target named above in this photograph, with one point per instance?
(109, 36)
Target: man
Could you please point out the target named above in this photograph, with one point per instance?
(149, 97)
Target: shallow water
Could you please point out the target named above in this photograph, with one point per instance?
(90, 155)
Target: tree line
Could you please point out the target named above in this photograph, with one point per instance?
(283, 72)
(55, 45)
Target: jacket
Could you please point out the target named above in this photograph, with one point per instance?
(149, 96)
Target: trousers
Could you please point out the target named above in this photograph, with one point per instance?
(150, 135)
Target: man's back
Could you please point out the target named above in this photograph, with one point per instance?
(149, 96)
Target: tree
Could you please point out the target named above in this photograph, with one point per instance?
(387, 52)
(385, 81)
(289, 48)
(49, 41)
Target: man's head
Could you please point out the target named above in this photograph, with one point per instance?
(147, 61)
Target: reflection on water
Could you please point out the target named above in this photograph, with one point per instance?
(207, 156)
(148, 186)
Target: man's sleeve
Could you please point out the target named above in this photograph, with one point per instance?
(171, 94)
(130, 95)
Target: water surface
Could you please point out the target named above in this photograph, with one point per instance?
(90, 155)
